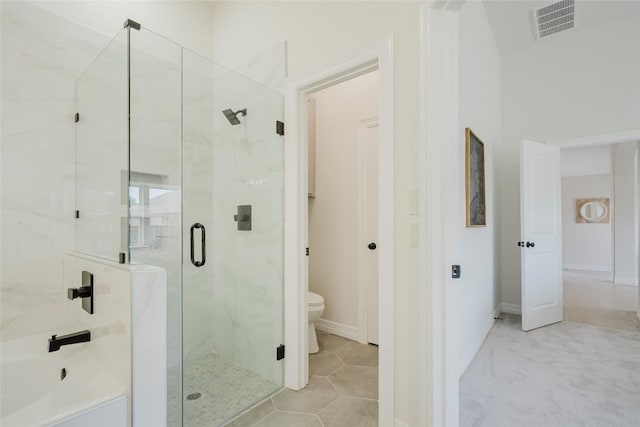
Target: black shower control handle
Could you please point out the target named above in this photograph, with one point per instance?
(81, 292)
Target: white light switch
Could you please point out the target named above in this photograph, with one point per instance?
(414, 235)
(414, 203)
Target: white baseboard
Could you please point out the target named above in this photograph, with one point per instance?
(511, 308)
(625, 281)
(335, 328)
(470, 353)
(587, 267)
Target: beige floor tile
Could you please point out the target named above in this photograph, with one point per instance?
(358, 354)
(254, 415)
(317, 395)
(591, 298)
(350, 412)
(323, 363)
(330, 342)
(356, 381)
(288, 419)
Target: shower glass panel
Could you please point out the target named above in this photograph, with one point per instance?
(154, 181)
(233, 286)
(169, 146)
(102, 153)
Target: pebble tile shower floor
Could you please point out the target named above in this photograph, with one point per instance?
(225, 390)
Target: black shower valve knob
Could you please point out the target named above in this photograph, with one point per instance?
(81, 292)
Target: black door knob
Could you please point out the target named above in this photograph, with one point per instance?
(520, 244)
(372, 246)
(530, 244)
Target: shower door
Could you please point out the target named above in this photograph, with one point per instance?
(232, 207)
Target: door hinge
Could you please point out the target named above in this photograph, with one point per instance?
(306, 251)
(279, 127)
(77, 117)
(77, 214)
(280, 352)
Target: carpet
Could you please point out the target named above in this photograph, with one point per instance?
(565, 374)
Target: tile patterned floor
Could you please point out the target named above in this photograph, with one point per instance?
(590, 298)
(342, 391)
(226, 390)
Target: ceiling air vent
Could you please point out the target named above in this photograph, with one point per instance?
(554, 18)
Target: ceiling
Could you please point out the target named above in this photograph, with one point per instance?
(513, 29)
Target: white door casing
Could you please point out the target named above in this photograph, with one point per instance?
(296, 201)
(368, 230)
(541, 235)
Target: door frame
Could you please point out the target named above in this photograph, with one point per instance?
(363, 289)
(379, 58)
(438, 372)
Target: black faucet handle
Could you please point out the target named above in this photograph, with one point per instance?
(72, 293)
(84, 292)
(81, 292)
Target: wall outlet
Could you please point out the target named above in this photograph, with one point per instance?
(456, 271)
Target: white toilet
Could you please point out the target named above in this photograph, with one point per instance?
(315, 304)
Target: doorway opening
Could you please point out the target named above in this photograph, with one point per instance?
(599, 222)
(343, 207)
(297, 244)
(343, 238)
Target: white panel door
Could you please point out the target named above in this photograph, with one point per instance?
(368, 135)
(541, 235)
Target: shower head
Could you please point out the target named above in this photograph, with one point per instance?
(233, 117)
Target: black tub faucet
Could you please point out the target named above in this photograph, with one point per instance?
(56, 342)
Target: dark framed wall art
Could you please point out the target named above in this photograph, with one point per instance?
(475, 181)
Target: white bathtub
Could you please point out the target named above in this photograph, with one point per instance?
(33, 394)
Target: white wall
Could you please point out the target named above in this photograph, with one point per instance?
(333, 219)
(185, 22)
(478, 290)
(319, 32)
(583, 82)
(626, 213)
(586, 161)
(585, 246)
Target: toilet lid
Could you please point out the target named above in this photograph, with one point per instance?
(314, 299)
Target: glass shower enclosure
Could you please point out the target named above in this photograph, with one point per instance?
(179, 165)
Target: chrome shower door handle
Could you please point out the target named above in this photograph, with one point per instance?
(203, 238)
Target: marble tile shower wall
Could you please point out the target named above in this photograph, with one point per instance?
(42, 57)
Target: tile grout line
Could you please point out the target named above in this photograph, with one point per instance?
(330, 404)
(334, 387)
(263, 418)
